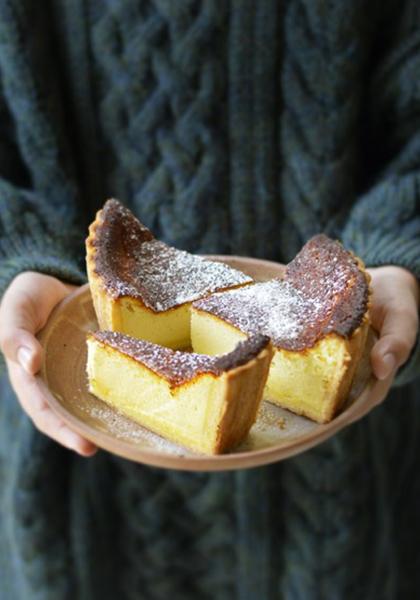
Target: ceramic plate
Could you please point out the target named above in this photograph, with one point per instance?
(276, 435)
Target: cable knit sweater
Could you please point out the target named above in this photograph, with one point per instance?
(233, 127)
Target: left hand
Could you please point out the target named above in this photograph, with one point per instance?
(25, 308)
(395, 317)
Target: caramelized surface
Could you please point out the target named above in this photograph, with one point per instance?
(325, 290)
(179, 367)
(132, 263)
(324, 272)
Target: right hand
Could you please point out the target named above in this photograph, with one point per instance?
(24, 310)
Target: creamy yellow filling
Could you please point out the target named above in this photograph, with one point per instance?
(304, 382)
(170, 328)
(188, 414)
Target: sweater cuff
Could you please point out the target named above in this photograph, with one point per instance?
(42, 253)
(379, 250)
(57, 266)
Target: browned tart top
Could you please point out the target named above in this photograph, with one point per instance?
(180, 367)
(131, 262)
(324, 290)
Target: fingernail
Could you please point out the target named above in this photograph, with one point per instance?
(24, 356)
(388, 365)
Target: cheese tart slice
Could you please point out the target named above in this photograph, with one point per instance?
(143, 287)
(317, 318)
(206, 403)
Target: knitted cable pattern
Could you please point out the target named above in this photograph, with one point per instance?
(394, 97)
(47, 237)
(327, 491)
(344, 501)
(33, 109)
(195, 511)
(402, 492)
(161, 100)
(197, 152)
(253, 97)
(35, 516)
(327, 529)
(98, 564)
(322, 85)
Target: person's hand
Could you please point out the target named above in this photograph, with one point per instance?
(394, 314)
(24, 310)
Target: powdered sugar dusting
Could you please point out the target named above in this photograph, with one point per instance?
(324, 290)
(168, 277)
(123, 428)
(133, 263)
(274, 308)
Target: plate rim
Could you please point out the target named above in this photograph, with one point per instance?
(374, 389)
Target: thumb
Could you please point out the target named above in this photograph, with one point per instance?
(24, 309)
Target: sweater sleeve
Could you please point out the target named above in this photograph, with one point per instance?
(383, 227)
(32, 238)
(39, 213)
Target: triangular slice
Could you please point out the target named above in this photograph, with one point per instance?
(317, 318)
(206, 403)
(143, 287)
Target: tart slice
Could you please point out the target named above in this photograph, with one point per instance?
(143, 287)
(317, 318)
(206, 403)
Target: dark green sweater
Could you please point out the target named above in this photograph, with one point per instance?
(233, 127)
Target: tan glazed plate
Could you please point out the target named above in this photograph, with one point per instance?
(276, 435)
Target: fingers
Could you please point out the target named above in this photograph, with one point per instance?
(397, 337)
(24, 309)
(17, 325)
(45, 420)
(20, 346)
